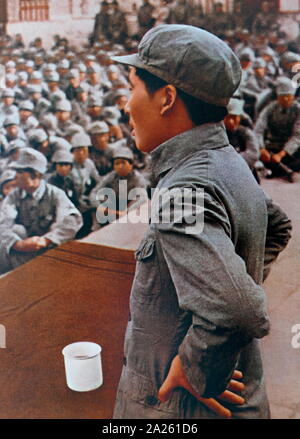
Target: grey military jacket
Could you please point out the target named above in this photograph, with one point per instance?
(48, 213)
(199, 294)
(281, 126)
(85, 176)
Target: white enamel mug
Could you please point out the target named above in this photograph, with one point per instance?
(83, 366)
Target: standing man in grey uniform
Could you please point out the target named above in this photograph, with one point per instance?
(196, 307)
(34, 217)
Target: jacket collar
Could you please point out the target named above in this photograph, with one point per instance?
(203, 137)
(38, 194)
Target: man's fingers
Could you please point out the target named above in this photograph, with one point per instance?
(212, 404)
(232, 398)
(216, 407)
(237, 375)
(165, 390)
(235, 386)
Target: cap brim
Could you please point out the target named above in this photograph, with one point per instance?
(130, 60)
(16, 165)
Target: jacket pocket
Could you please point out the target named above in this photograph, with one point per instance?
(147, 277)
(146, 250)
(138, 394)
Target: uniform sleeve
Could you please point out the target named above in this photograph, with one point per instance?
(278, 234)
(95, 195)
(68, 220)
(94, 172)
(8, 215)
(251, 153)
(251, 88)
(262, 125)
(140, 195)
(228, 309)
(293, 143)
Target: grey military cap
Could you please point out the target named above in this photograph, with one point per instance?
(98, 127)
(290, 57)
(60, 144)
(74, 73)
(34, 88)
(7, 175)
(10, 64)
(8, 93)
(14, 146)
(11, 77)
(79, 140)
(121, 92)
(62, 156)
(64, 64)
(235, 107)
(267, 51)
(29, 63)
(37, 136)
(50, 67)
(95, 101)
(32, 159)
(93, 69)
(111, 115)
(259, 63)
(247, 55)
(52, 77)
(12, 119)
(63, 105)
(81, 67)
(285, 86)
(193, 60)
(113, 69)
(26, 105)
(36, 75)
(55, 97)
(73, 129)
(23, 76)
(123, 153)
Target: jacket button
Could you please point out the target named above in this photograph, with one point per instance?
(151, 400)
(124, 361)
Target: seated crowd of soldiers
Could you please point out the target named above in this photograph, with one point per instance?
(65, 135)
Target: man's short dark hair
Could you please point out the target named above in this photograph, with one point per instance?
(199, 111)
(33, 173)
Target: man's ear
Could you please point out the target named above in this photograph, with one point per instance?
(168, 99)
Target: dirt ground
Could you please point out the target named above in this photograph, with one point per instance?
(281, 360)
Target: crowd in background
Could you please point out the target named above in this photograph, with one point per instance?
(63, 122)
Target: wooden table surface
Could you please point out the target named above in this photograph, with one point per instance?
(77, 292)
